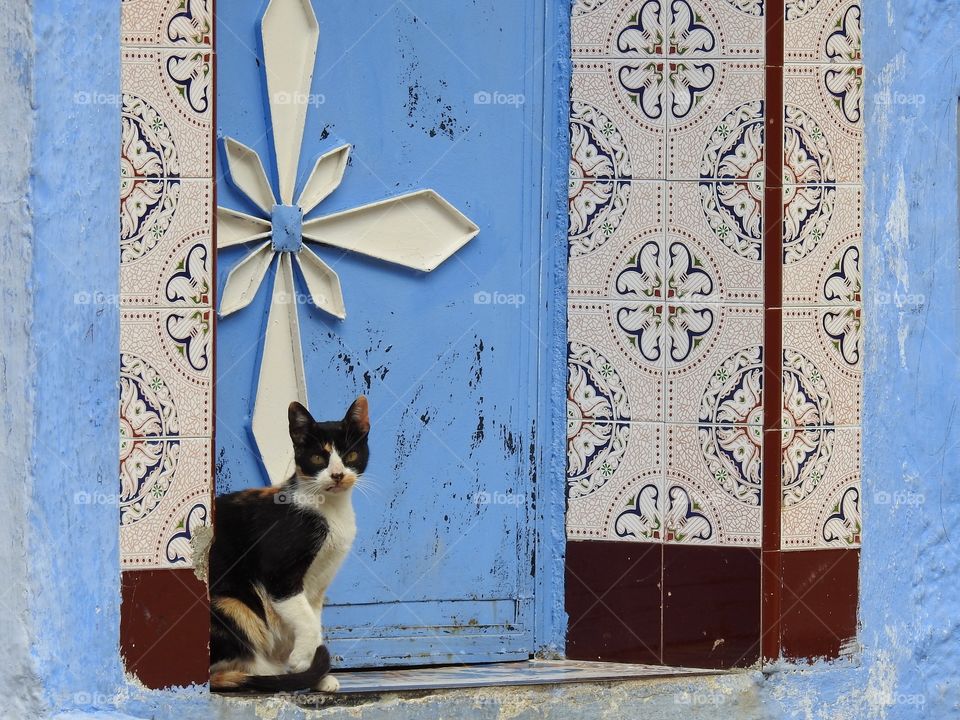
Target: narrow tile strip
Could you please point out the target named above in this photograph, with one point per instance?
(771, 585)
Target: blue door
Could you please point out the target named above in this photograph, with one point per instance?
(431, 94)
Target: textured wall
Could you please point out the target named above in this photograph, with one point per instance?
(908, 666)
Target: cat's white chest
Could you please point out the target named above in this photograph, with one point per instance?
(342, 529)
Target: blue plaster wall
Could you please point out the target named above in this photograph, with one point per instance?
(57, 215)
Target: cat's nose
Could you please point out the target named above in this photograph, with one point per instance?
(336, 477)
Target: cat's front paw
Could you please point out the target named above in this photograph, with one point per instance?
(328, 684)
(300, 659)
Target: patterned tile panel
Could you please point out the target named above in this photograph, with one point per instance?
(166, 115)
(169, 23)
(165, 236)
(822, 31)
(823, 126)
(164, 498)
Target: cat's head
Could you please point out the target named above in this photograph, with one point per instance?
(330, 455)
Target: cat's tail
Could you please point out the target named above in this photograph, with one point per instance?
(236, 681)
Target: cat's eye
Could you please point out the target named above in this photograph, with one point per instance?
(351, 457)
(318, 459)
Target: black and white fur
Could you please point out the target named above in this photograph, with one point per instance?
(275, 553)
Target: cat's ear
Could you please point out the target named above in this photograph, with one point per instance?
(358, 416)
(300, 422)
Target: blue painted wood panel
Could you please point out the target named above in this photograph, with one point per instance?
(447, 96)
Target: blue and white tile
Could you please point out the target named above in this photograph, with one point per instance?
(732, 29)
(166, 127)
(614, 473)
(821, 490)
(615, 237)
(617, 349)
(166, 370)
(714, 242)
(619, 107)
(165, 242)
(823, 124)
(715, 120)
(713, 485)
(166, 23)
(618, 28)
(824, 31)
(714, 364)
(164, 499)
(822, 245)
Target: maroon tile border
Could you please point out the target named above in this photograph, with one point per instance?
(711, 606)
(165, 627)
(820, 597)
(613, 593)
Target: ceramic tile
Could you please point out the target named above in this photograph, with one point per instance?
(715, 120)
(169, 23)
(713, 486)
(614, 475)
(711, 610)
(715, 242)
(615, 350)
(618, 28)
(822, 368)
(711, 29)
(821, 496)
(824, 31)
(165, 373)
(822, 244)
(714, 364)
(616, 241)
(617, 114)
(823, 124)
(166, 129)
(164, 499)
(165, 242)
(613, 600)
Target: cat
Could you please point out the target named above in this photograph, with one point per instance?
(274, 554)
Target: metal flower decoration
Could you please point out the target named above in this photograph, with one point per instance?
(418, 230)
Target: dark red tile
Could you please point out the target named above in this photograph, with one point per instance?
(613, 601)
(165, 627)
(711, 606)
(770, 610)
(819, 602)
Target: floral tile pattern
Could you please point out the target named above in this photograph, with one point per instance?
(823, 124)
(821, 491)
(165, 373)
(822, 366)
(166, 114)
(164, 498)
(822, 245)
(668, 28)
(824, 31)
(615, 237)
(614, 473)
(712, 490)
(714, 364)
(615, 360)
(165, 236)
(168, 23)
(714, 244)
(617, 110)
(715, 120)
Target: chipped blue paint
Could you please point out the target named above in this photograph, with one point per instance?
(286, 224)
(65, 608)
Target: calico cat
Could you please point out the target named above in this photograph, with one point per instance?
(274, 553)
